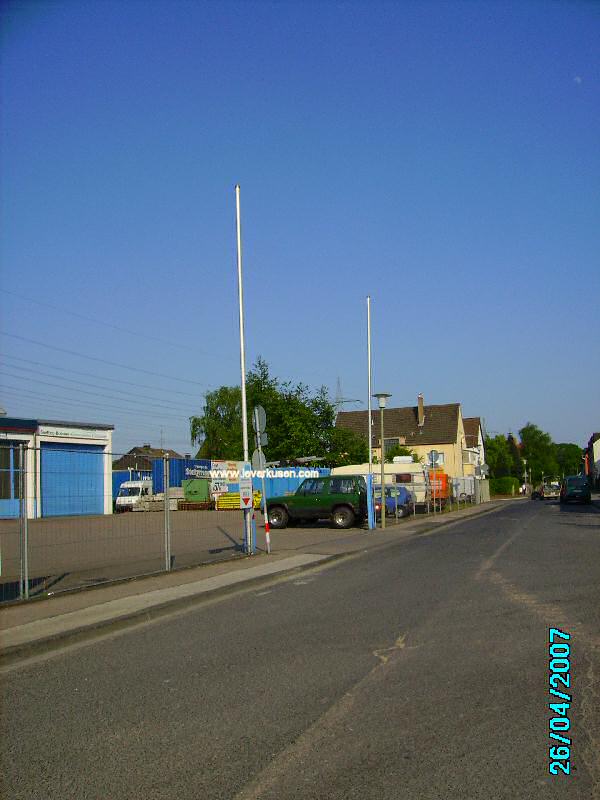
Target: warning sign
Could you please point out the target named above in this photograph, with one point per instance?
(245, 485)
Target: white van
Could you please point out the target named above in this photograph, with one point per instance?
(131, 494)
(403, 471)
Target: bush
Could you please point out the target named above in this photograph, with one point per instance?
(504, 485)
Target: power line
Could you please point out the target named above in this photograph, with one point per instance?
(87, 318)
(58, 400)
(123, 427)
(86, 391)
(95, 375)
(101, 360)
(97, 321)
(137, 397)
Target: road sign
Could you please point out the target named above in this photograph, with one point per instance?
(259, 419)
(258, 460)
(261, 439)
(245, 481)
(433, 456)
(220, 481)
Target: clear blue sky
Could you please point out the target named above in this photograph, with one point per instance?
(443, 157)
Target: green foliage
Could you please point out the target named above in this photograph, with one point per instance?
(506, 485)
(498, 456)
(568, 457)
(220, 426)
(399, 450)
(346, 447)
(539, 450)
(517, 468)
(299, 423)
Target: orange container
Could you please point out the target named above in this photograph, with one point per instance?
(440, 484)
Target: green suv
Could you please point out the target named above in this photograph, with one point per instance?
(340, 499)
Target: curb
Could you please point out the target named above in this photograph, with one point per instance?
(86, 632)
(48, 644)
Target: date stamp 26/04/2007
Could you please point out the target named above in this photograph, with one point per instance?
(559, 651)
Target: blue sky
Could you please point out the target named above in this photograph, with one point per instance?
(442, 157)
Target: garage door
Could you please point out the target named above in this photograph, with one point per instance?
(72, 479)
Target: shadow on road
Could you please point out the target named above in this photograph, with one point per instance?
(577, 508)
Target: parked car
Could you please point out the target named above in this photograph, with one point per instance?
(394, 495)
(131, 494)
(551, 491)
(575, 488)
(342, 499)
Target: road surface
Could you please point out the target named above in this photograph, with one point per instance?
(415, 671)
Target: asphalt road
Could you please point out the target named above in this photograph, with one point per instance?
(415, 671)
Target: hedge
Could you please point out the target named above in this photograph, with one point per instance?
(504, 485)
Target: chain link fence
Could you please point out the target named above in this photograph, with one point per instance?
(63, 525)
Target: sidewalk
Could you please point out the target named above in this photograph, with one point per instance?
(48, 623)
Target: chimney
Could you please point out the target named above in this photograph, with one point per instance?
(420, 411)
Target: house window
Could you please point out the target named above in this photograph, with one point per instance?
(404, 477)
(440, 460)
(10, 471)
(5, 472)
(389, 443)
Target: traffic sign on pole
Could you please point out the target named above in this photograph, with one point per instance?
(259, 419)
(245, 482)
(258, 460)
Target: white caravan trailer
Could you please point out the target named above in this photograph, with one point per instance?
(403, 471)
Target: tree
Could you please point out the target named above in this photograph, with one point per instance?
(498, 456)
(220, 426)
(347, 447)
(299, 423)
(517, 468)
(568, 457)
(539, 450)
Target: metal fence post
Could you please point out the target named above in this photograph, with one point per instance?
(23, 529)
(25, 521)
(21, 561)
(167, 516)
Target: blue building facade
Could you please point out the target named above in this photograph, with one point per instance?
(54, 468)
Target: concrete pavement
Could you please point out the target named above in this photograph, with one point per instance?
(55, 620)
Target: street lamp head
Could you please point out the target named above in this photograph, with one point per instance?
(382, 397)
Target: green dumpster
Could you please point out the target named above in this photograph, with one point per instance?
(196, 490)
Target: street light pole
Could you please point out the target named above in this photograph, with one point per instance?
(369, 370)
(247, 512)
(382, 397)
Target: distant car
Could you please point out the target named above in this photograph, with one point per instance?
(551, 491)
(394, 495)
(575, 488)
